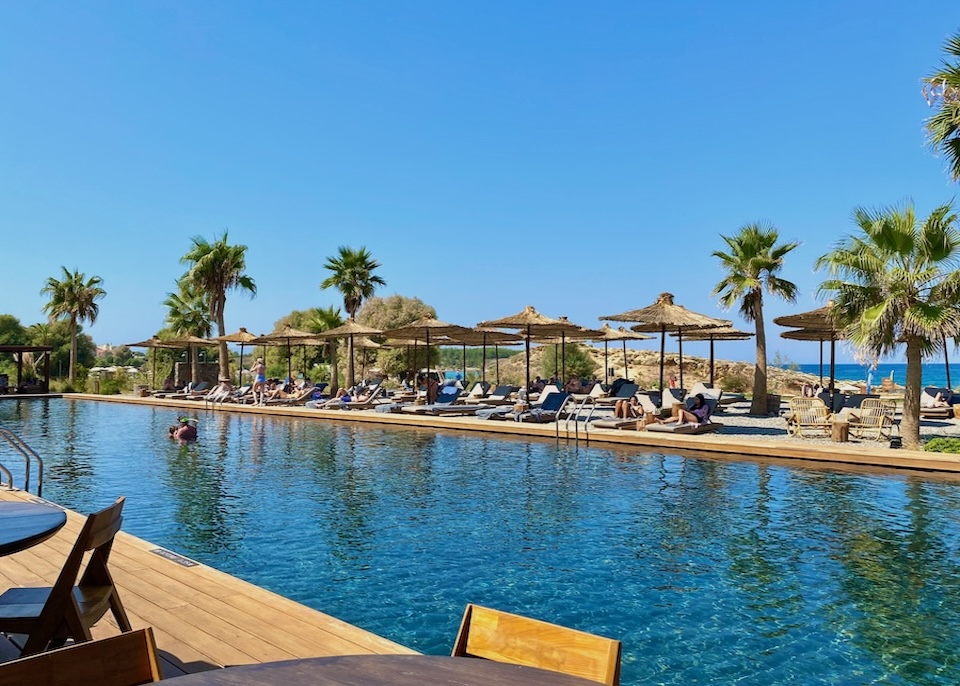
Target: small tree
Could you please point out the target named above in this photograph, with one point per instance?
(73, 299)
(571, 357)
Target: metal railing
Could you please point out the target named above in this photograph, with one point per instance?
(29, 455)
(575, 416)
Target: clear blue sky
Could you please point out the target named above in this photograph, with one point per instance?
(579, 157)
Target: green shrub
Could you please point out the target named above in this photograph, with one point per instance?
(735, 383)
(943, 445)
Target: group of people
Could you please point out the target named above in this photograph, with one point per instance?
(184, 430)
(698, 412)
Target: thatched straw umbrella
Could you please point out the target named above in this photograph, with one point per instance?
(349, 329)
(287, 336)
(483, 338)
(722, 333)
(190, 342)
(663, 316)
(527, 323)
(815, 325)
(423, 328)
(243, 337)
(607, 334)
(154, 342)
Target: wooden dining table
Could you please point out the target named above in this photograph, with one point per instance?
(26, 524)
(381, 670)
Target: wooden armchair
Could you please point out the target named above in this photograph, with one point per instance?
(129, 659)
(505, 637)
(69, 608)
(807, 414)
(874, 415)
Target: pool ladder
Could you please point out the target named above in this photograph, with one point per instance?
(575, 416)
(29, 455)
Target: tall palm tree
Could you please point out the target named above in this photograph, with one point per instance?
(942, 90)
(896, 283)
(74, 299)
(216, 268)
(352, 275)
(324, 319)
(188, 314)
(752, 265)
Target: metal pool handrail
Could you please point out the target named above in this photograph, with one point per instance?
(29, 454)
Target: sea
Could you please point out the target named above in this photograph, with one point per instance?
(934, 373)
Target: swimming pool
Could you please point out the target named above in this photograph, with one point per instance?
(709, 571)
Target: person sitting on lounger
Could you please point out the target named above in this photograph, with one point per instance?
(699, 413)
(428, 384)
(628, 408)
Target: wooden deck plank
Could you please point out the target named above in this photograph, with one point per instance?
(202, 618)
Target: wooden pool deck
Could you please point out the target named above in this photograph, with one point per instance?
(202, 618)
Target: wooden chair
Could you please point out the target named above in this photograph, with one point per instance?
(874, 415)
(69, 608)
(807, 414)
(505, 637)
(129, 659)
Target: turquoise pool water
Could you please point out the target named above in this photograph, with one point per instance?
(709, 571)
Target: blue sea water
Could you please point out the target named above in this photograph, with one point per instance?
(934, 374)
(709, 571)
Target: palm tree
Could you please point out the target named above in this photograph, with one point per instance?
(752, 265)
(216, 268)
(942, 90)
(74, 298)
(188, 314)
(896, 283)
(352, 275)
(324, 319)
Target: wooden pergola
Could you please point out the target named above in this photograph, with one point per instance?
(18, 350)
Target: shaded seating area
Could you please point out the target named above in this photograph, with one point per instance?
(49, 616)
(504, 637)
(129, 659)
(27, 385)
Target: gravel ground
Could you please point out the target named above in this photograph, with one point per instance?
(736, 422)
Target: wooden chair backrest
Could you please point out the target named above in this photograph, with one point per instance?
(129, 659)
(808, 410)
(505, 637)
(874, 411)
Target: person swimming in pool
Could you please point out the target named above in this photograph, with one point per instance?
(184, 430)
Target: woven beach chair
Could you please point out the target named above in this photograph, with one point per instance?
(807, 415)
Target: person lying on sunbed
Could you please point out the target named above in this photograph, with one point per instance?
(699, 413)
(628, 408)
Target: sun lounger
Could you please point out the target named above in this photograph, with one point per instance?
(549, 410)
(686, 428)
(499, 396)
(445, 398)
(298, 399)
(626, 390)
(616, 423)
(197, 392)
(929, 409)
(376, 397)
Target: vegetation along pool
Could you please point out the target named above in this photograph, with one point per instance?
(708, 571)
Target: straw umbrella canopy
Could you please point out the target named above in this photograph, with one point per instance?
(528, 322)
(560, 351)
(723, 333)
(663, 315)
(154, 342)
(424, 328)
(482, 338)
(287, 336)
(349, 329)
(243, 337)
(815, 325)
(607, 334)
(189, 342)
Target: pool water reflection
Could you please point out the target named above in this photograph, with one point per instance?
(709, 571)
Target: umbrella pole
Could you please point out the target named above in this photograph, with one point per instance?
(563, 356)
(428, 362)
(483, 366)
(464, 363)
(821, 363)
(240, 368)
(527, 387)
(663, 351)
(496, 351)
(680, 343)
(556, 362)
(626, 371)
(153, 375)
(711, 361)
(833, 367)
(606, 363)
(289, 360)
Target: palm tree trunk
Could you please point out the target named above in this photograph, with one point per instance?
(910, 425)
(72, 374)
(759, 403)
(194, 364)
(224, 353)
